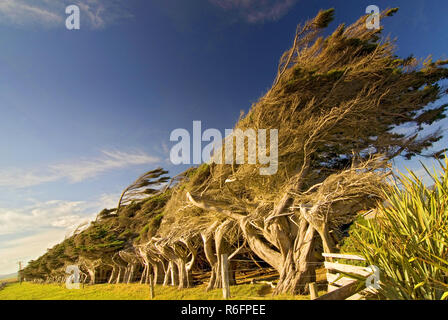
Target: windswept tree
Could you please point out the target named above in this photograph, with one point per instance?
(335, 102)
(145, 185)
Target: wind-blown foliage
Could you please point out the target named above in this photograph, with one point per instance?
(144, 186)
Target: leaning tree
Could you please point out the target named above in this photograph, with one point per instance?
(148, 184)
(336, 101)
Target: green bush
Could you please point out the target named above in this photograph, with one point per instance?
(408, 238)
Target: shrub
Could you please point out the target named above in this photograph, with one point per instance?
(408, 238)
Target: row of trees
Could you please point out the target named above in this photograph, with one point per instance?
(336, 101)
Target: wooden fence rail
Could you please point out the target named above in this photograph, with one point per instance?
(340, 285)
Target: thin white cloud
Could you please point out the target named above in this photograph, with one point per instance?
(84, 169)
(256, 11)
(27, 248)
(75, 171)
(24, 12)
(95, 14)
(42, 215)
(42, 225)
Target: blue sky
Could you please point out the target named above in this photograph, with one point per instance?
(84, 112)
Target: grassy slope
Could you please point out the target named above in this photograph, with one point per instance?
(29, 291)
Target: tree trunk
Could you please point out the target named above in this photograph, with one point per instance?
(210, 255)
(92, 275)
(113, 274)
(119, 275)
(213, 251)
(298, 270)
(327, 240)
(167, 277)
(131, 273)
(126, 274)
(184, 281)
(174, 274)
(214, 281)
(144, 277)
(158, 272)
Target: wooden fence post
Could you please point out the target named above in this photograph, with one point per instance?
(313, 291)
(151, 286)
(225, 276)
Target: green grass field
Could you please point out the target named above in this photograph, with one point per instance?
(31, 291)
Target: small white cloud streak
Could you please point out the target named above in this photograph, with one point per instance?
(50, 214)
(27, 248)
(84, 169)
(256, 11)
(95, 14)
(19, 12)
(74, 171)
(42, 225)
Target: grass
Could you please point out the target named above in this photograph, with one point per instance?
(31, 291)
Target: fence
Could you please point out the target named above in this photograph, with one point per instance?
(340, 285)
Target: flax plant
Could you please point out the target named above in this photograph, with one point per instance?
(408, 238)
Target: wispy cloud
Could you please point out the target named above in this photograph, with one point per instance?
(95, 14)
(28, 231)
(256, 11)
(27, 248)
(59, 214)
(49, 214)
(74, 171)
(25, 12)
